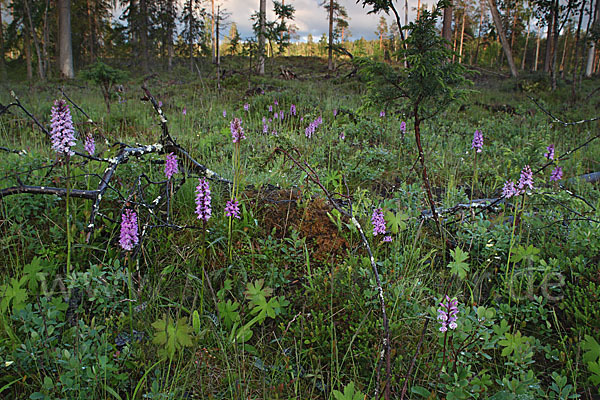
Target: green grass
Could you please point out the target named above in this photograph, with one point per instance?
(322, 328)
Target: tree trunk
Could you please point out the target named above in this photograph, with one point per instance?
(2, 64)
(447, 24)
(514, 28)
(190, 36)
(217, 58)
(46, 40)
(144, 33)
(65, 56)
(406, 13)
(563, 58)
(462, 36)
(260, 67)
(90, 35)
(526, 43)
(481, 4)
(505, 46)
(170, 33)
(549, 39)
(133, 23)
(27, 45)
(212, 34)
(537, 49)
(555, 45)
(419, 9)
(330, 51)
(36, 43)
(455, 36)
(592, 49)
(576, 50)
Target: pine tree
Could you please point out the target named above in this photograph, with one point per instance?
(193, 19)
(382, 30)
(234, 39)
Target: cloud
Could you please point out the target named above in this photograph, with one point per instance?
(311, 18)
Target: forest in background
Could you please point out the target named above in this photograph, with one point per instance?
(554, 36)
(341, 219)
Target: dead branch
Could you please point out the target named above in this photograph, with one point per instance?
(558, 120)
(125, 153)
(385, 352)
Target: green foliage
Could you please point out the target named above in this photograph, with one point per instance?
(592, 358)
(171, 335)
(429, 84)
(103, 75)
(396, 222)
(350, 393)
(294, 312)
(458, 266)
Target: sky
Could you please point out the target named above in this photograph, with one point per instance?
(311, 18)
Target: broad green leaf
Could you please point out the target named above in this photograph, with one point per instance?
(396, 222)
(458, 266)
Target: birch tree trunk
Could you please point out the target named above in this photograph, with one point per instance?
(563, 57)
(65, 56)
(592, 49)
(500, 30)
(455, 37)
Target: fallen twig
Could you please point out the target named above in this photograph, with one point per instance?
(385, 352)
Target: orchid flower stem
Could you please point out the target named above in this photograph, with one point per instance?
(69, 239)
